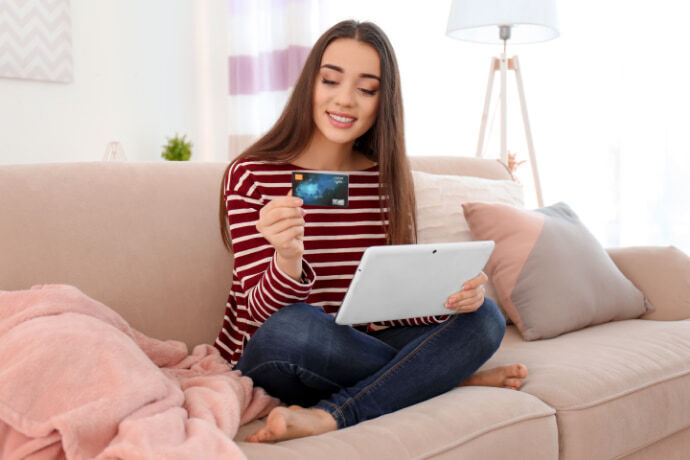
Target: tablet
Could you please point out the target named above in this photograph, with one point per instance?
(410, 280)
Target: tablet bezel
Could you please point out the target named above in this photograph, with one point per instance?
(395, 282)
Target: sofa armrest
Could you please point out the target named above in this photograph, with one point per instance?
(663, 276)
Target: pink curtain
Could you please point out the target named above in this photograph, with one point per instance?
(268, 42)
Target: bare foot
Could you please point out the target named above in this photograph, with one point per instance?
(293, 422)
(503, 376)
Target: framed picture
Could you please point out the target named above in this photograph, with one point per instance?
(36, 40)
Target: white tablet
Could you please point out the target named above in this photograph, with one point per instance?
(410, 280)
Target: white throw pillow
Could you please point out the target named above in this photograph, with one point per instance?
(439, 206)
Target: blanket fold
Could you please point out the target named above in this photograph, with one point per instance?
(77, 381)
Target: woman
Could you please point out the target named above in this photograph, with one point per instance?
(293, 266)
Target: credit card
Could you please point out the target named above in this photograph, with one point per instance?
(321, 189)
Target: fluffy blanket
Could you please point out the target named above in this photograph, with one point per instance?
(77, 381)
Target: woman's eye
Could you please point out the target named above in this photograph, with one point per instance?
(327, 82)
(370, 92)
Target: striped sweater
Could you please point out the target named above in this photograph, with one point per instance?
(334, 241)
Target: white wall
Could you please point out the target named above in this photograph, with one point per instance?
(143, 71)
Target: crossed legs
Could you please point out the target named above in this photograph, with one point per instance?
(335, 376)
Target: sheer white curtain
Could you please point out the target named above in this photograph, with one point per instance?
(268, 42)
(608, 103)
(622, 110)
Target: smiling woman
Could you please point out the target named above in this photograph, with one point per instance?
(293, 266)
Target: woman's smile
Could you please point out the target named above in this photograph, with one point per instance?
(341, 120)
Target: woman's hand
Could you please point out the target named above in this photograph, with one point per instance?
(281, 222)
(471, 297)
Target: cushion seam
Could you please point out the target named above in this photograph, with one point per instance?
(493, 427)
(621, 394)
(651, 443)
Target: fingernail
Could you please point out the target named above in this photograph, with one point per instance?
(298, 202)
(302, 212)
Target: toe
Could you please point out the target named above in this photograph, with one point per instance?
(523, 371)
(260, 435)
(518, 371)
(513, 383)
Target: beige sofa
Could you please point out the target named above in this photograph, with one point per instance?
(143, 238)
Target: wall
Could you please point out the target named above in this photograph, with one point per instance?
(142, 72)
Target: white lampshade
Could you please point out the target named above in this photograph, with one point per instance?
(479, 20)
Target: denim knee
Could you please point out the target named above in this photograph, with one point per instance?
(289, 317)
(284, 332)
(491, 325)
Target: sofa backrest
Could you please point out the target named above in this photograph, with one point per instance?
(142, 238)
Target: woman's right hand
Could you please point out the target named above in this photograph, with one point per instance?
(281, 222)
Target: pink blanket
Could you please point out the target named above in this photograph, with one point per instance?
(77, 381)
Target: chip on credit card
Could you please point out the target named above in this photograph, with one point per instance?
(321, 189)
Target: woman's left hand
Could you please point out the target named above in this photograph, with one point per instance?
(471, 297)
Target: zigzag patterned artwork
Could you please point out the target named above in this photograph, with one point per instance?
(36, 40)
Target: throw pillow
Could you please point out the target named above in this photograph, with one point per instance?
(550, 273)
(439, 199)
(439, 213)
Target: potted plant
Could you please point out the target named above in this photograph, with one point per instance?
(177, 149)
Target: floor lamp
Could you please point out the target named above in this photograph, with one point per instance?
(496, 22)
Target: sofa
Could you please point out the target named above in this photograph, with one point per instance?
(143, 238)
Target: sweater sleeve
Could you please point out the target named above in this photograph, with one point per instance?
(265, 286)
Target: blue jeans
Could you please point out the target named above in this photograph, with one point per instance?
(302, 357)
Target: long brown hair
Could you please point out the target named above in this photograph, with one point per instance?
(383, 143)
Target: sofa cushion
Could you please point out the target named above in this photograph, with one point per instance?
(674, 447)
(551, 275)
(467, 422)
(617, 387)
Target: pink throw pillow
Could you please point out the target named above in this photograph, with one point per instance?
(550, 273)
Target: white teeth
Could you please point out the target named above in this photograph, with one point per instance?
(341, 119)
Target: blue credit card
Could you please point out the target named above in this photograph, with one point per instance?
(321, 189)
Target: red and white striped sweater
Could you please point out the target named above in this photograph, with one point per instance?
(334, 241)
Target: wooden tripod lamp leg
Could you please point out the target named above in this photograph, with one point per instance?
(528, 132)
(487, 102)
(504, 109)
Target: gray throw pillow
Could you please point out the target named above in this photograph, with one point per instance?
(550, 273)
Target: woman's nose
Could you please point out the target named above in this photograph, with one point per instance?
(345, 96)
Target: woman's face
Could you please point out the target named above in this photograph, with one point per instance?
(346, 91)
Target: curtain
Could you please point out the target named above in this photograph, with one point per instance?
(614, 134)
(268, 42)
